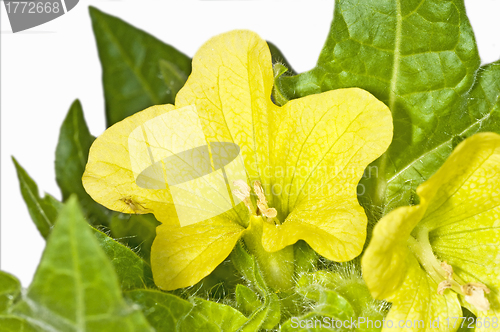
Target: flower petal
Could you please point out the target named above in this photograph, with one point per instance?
(465, 192)
(322, 146)
(109, 178)
(386, 261)
(231, 87)
(417, 306)
(182, 256)
(465, 213)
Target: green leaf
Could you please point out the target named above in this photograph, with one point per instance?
(132, 271)
(268, 314)
(306, 258)
(71, 157)
(43, 211)
(338, 294)
(173, 76)
(162, 310)
(136, 231)
(468, 324)
(167, 312)
(418, 57)
(329, 305)
(132, 75)
(15, 324)
(75, 287)
(246, 299)
(10, 288)
(212, 316)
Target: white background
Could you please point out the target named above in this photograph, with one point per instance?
(45, 68)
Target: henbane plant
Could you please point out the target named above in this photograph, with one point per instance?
(366, 189)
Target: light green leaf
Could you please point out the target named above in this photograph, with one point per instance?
(163, 311)
(71, 157)
(131, 73)
(75, 287)
(336, 294)
(268, 314)
(10, 288)
(167, 312)
(136, 231)
(43, 211)
(10, 323)
(212, 316)
(418, 57)
(132, 271)
(246, 299)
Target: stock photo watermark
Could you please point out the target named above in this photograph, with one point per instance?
(25, 15)
(364, 322)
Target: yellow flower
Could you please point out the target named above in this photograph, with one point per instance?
(303, 162)
(431, 258)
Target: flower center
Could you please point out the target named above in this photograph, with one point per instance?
(442, 273)
(244, 193)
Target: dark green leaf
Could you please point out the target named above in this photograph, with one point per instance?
(173, 77)
(418, 57)
(10, 288)
(15, 324)
(167, 312)
(43, 211)
(71, 158)
(269, 313)
(132, 271)
(136, 231)
(131, 73)
(468, 324)
(75, 287)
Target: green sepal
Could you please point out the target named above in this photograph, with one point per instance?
(267, 315)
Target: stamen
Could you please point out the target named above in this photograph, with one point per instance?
(243, 193)
(474, 294)
(257, 187)
(270, 213)
(443, 285)
(442, 273)
(448, 269)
